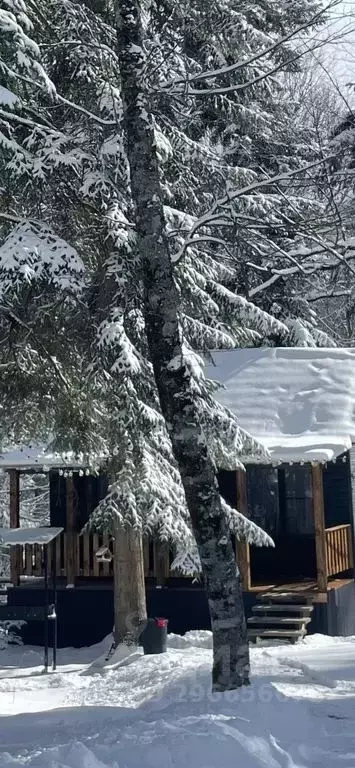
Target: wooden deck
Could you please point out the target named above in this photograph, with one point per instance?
(307, 588)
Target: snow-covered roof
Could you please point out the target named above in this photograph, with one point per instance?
(14, 536)
(40, 458)
(300, 402)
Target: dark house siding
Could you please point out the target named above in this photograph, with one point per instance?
(341, 610)
(57, 496)
(85, 615)
(227, 483)
(337, 492)
(88, 491)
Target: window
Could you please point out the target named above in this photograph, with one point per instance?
(263, 498)
(298, 506)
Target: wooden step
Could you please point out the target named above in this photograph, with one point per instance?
(293, 633)
(284, 597)
(263, 620)
(291, 608)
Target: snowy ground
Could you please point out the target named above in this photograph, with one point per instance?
(159, 712)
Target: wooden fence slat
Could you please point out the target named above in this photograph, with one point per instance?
(341, 551)
(346, 550)
(28, 560)
(336, 551)
(37, 570)
(49, 559)
(340, 558)
(58, 547)
(96, 564)
(106, 543)
(21, 559)
(332, 550)
(64, 554)
(86, 554)
(78, 550)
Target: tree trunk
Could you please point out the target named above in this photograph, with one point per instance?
(129, 587)
(179, 407)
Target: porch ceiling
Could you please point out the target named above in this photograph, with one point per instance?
(19, 536)
(42, 458)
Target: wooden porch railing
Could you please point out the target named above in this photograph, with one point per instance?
(339, 549)
(156, 557)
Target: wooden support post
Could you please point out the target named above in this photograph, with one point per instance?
(16, 552)
(71, 558)
(242, 547)
(319, 525)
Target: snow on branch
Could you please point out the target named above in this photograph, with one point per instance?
(187, 559)
(238, 65)
(249, 315)
(222, 204)
(33, 253)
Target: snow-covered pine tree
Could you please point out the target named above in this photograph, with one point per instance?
(114, 293)
(243, 136)
(90, 185)
(335, 294)
(119, 411)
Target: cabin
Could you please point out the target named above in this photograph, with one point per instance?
(300, 404)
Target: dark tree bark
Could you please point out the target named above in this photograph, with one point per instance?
(198, 472)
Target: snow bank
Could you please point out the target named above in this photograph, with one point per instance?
(197, 638)
(159, 711)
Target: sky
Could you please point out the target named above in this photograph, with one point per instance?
(340, 52)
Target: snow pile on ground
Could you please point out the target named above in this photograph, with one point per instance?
(200, 638)
(158, 711)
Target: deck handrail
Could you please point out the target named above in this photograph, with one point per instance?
(156, 557)
(338, 527)
(339, 549)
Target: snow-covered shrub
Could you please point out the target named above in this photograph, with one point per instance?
(10, 633)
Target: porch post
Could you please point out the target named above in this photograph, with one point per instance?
(71, 535)
(319, 525)
(16, 552)
(242, 546)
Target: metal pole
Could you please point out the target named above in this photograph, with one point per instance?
(54, 577)
(46, 603)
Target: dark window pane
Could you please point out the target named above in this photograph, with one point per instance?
(263, 501)
(299, 502)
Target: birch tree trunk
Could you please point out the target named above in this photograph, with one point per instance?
(161, 302)
(129, 586)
